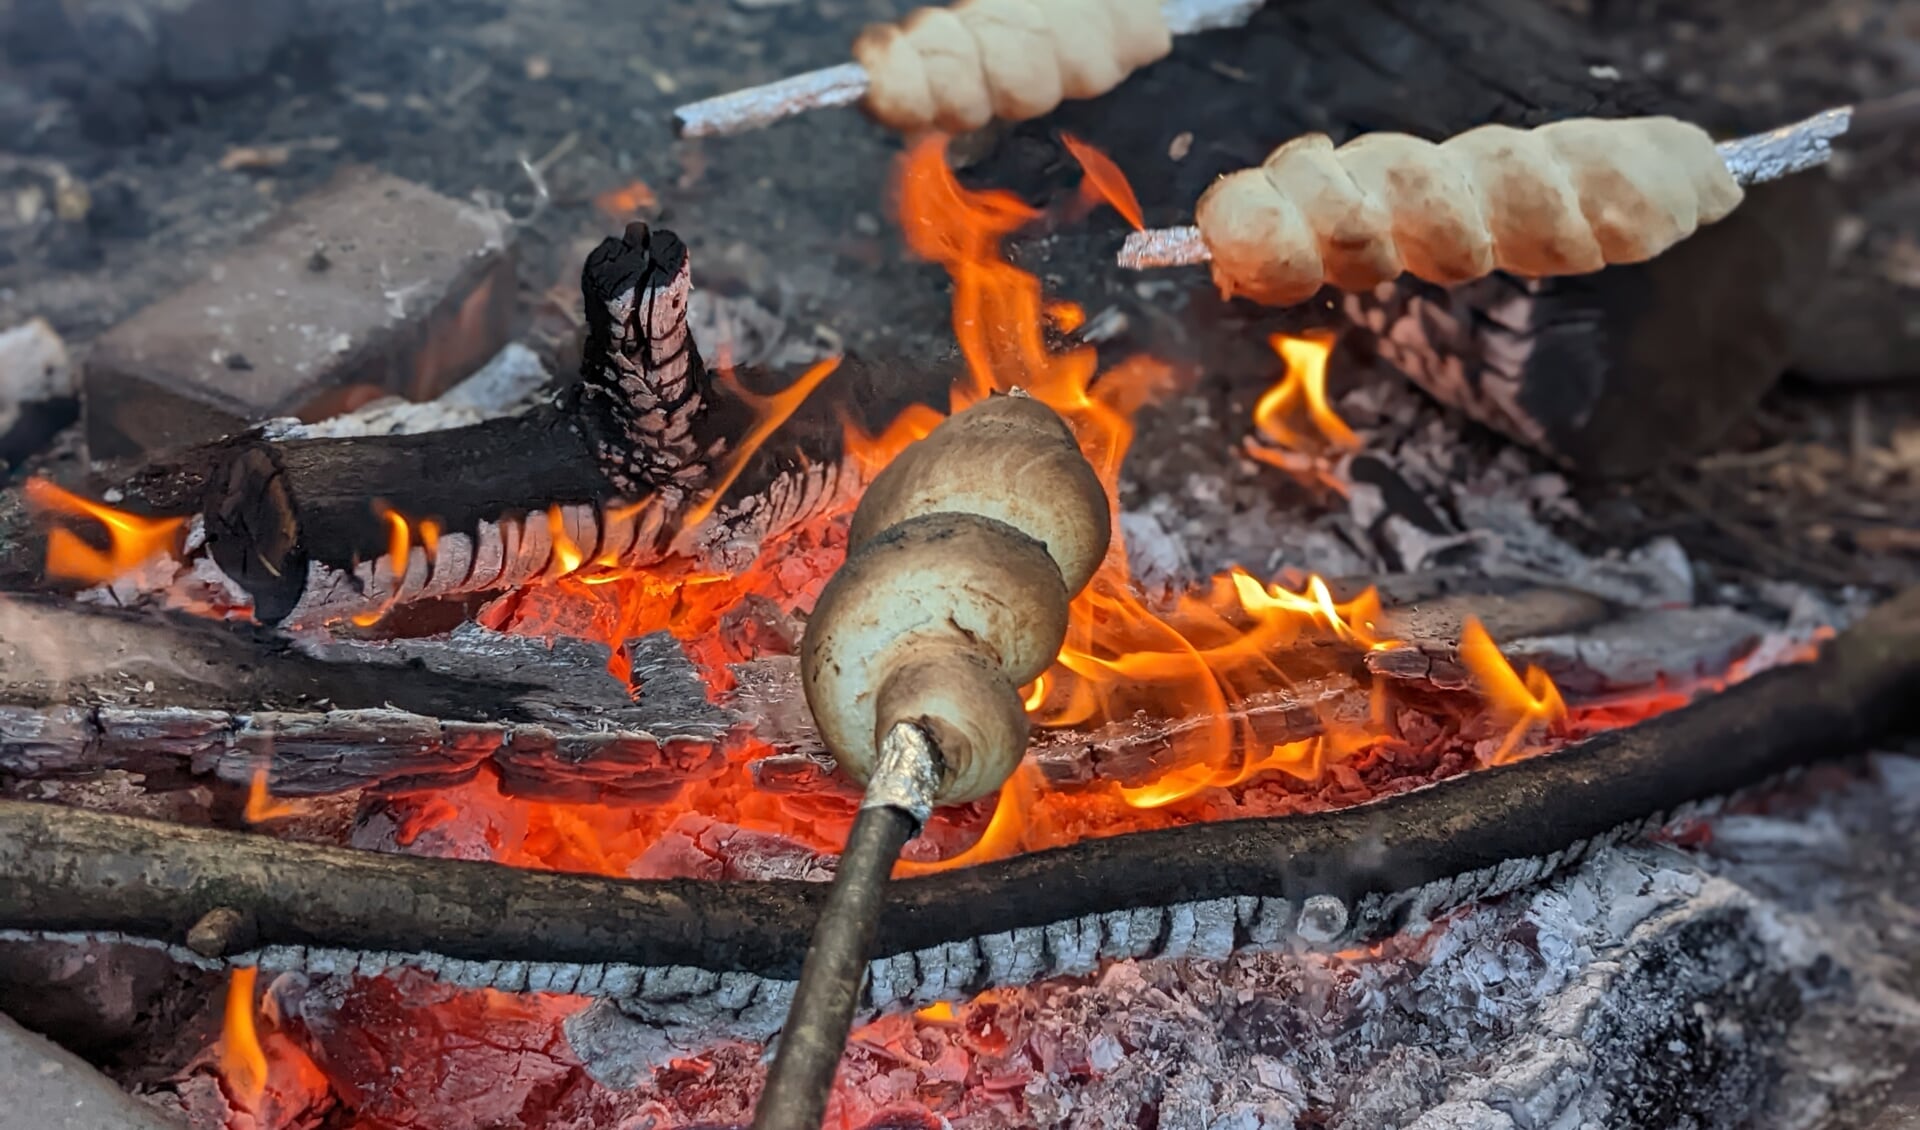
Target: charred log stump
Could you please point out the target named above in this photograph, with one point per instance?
(301, 525)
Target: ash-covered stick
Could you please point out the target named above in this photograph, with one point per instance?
(847, 84)
(1750, 160)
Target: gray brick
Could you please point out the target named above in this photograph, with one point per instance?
(370, 286)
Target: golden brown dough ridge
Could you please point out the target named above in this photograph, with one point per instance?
(958, 68)
(1565, 198)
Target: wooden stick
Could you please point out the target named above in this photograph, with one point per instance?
(1345, 877)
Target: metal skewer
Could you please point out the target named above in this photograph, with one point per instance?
(898, 801)
(1752, 160)
(760, 106)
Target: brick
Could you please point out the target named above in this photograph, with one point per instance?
(370, 286)
(50, 1088)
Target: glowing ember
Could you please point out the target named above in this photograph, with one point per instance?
(1199, 658)
(132, 540)
(404, 1050)
(630, 199)
(1105, 182)
(1523, 703)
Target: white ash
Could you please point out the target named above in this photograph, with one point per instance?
(1651, 986)
(1454, 503)
(508, 385)
(34, 367)
(1756, 982)
(737, 330)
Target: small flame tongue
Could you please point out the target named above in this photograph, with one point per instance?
(273, 1080)
(132, 540)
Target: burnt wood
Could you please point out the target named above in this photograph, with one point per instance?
(1679, 348)
(300, 524)
(273, 507)
(72, 870)
(85, 689)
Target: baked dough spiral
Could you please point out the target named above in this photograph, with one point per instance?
(1566, 198)
(958, 68)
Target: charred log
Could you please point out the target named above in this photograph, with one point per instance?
(1679, 348)
(642, 426)
(611, 469)
(1336, 878)
(83, 690)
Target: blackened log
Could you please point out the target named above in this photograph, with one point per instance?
(645, 435)
(1631, 369)
(1336, 878)
(1611, 373)
(273, 509)
(84, 689)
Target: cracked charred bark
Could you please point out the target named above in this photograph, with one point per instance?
(1335, 879)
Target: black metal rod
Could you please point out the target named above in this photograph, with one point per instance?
(815, 1036)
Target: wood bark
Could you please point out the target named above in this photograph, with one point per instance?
(330, 716)
(1567, 366)
(621, 457)
(85, 689)
(1411, 855)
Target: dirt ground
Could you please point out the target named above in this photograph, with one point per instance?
(1823, 485)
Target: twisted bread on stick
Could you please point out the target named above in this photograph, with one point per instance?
(958, 68)
(961, 560)
(1560, 199)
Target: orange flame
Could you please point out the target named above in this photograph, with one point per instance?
(1522, 703)
(1201, 657)
(567, 555)
(261, 804)
(242, 1060)
(769, 413)
(1196, 660)
(399, 546)
(271, 1075)
(1303, 385)
(132, 540)
(1105, 181)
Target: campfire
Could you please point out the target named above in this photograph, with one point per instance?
(477, 759)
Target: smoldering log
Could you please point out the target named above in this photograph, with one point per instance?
(1589, 646)
(1331, 879)
(611, 466)
(84, 689)
(300, 524)
(1569, 366)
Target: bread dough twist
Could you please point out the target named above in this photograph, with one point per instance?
(958, 68)
(1566, 198)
